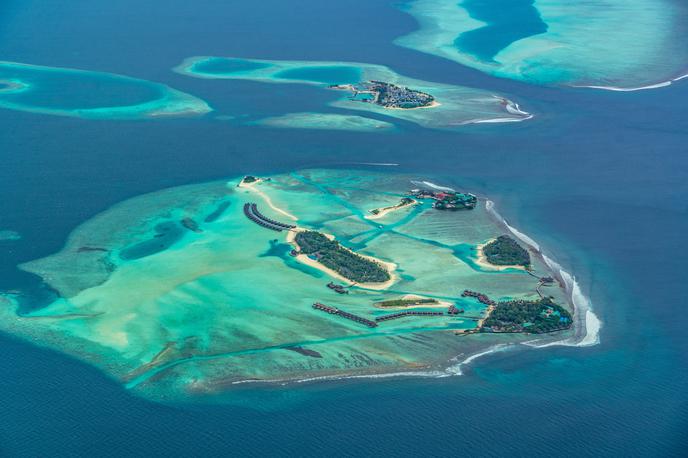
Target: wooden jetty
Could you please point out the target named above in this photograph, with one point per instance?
(482, 298)
(394, 316)
(343, 314)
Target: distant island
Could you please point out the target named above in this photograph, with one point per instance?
(388, 95)
(505, 251)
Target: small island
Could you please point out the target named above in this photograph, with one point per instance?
(505, 251)
(380, 212)
(345, 262)
(447, 200)
(388, 95)
(407, 302)
(248, 179)
(528, 316)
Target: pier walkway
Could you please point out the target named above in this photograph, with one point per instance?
(343, 314)
(393, 316)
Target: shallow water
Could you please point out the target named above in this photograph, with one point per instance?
(597, 178)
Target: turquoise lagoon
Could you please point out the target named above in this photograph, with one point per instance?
(615, 44)
(87, 94)
(200, 311)
(458, 105)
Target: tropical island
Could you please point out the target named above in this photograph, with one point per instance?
(527, 316)
(281, 278)
(380, 212)
(447, 199)
(388, 95)
(367, 88)
(411, 301)
(505, 251)
(345, 262)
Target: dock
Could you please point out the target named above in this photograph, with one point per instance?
(349, 316)
(252, 213)
(394, 316)
(452, 310)
(482, 298)
(339, 289)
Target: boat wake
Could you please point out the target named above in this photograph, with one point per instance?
(587, 325)
(431, 185)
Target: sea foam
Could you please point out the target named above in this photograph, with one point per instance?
(587, 324)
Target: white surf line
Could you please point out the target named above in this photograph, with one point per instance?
(639, 88)
(456, 368)
(510, 106)
(587, 324)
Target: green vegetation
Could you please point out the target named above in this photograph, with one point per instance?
(406, 302)
(533, 317)
(250, 179)
(455, 201)
(504, 251)
(402, 203)
(332, 254)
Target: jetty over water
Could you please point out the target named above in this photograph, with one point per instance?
(252, 213)
(393, 316)
(343, 314)
(482, 298)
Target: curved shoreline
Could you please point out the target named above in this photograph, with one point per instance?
(586, 324)
(482, 261)
(303, 259)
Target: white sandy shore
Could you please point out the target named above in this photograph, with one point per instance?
(439, 304)
(252, 187)
(381, 212)
(433, 104)
(482, 261)
(302, 258)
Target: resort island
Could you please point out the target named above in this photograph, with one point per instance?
(388, 95)
(192, 290)
(368, 89)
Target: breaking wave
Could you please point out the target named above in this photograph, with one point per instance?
(587, 325)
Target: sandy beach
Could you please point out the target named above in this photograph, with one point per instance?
(381, 212)
(438, 305)
(433, 104)
(252, 187)
(302, 258)
(482, 261)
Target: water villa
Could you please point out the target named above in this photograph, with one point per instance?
(343, 314)
(252, 213)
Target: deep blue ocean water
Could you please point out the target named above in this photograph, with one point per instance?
(599, 179)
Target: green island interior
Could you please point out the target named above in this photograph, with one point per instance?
(315, 273)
